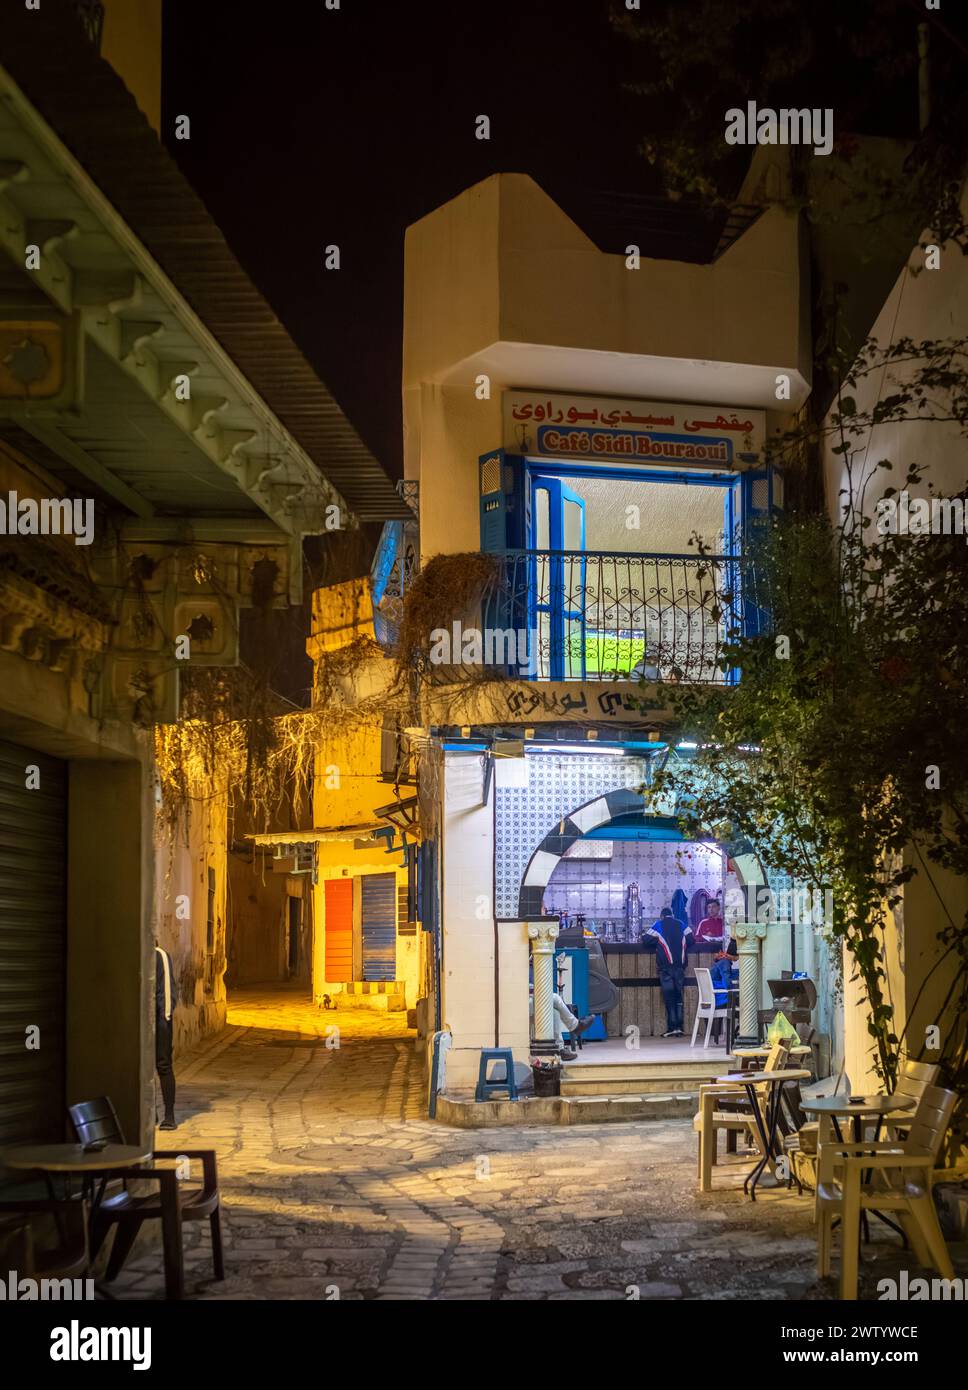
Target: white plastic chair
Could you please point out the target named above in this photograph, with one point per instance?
(707, 1005)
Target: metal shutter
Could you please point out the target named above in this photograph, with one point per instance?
(379, 920)
(339, 930)
(33, 925)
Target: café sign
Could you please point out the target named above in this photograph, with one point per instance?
(605, 430)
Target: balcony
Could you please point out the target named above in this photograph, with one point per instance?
(596, 616)
(601, 616)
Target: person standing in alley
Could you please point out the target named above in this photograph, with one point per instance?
(671, 944)
(164, 1033)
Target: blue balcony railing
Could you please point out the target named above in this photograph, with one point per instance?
(557, 615)
(599, 615)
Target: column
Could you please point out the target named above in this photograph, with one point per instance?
(748, 937)
(542, 936)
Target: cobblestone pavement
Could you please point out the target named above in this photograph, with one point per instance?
(335, 1184)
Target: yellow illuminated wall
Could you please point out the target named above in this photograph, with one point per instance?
(131, 43)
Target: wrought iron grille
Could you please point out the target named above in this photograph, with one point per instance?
(613, 616)
(604, 615)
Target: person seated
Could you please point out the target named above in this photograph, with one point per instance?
(565, 1021)
(721, 974)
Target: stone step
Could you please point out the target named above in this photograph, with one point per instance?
(630, 1085)
(647, 1078)
(378, 1003)
(372, 987)
(466, 1113)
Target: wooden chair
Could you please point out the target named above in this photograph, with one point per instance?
(69, 1257)
(884, 1176)
(803, 1147)
(97, 1119)
(707, 1008)
(913, 1080)
(725, 1106)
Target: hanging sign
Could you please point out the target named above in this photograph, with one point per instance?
(610, 431)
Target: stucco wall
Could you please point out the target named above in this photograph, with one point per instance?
(131, 43)
(500, 282)
(181, 913)
(479, 1005)
(930, 305)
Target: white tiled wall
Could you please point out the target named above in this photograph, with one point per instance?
(467, 978)
(597, 887)
(557, 785)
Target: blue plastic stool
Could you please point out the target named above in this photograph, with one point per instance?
(486, 1086)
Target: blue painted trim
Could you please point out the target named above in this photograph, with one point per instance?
(645, 474)
(636, 828)
(388, 548)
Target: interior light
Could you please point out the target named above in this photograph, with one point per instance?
(574, 748)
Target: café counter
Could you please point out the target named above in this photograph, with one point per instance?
(634, 972)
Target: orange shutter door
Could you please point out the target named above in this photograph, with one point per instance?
(339, 930)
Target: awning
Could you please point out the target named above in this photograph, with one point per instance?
(315, 837)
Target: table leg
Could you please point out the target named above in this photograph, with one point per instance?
(752, 1178)
(849, 1236)
(865, 1230)
(773, 1111)
(879, 1214)
(171, 1236)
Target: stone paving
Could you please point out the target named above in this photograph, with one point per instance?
(336, 1185)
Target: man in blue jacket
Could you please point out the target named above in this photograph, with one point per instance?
(672, 939)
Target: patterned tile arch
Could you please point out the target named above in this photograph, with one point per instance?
(566, 796)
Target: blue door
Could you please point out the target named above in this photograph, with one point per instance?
(378, 912)
(749, 504)
(558, 579)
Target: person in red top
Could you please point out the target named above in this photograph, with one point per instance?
(711, 928)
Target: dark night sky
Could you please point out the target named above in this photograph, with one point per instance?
(312, 126)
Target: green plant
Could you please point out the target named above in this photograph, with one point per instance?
(840, 754)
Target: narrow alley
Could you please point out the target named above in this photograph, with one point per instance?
(336, 1185)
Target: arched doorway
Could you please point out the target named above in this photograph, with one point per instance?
(621, 811)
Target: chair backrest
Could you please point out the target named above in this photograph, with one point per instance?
(914, 1078)
(931, 1119)
(96, 1119)
(777, 1059)
(707, 995)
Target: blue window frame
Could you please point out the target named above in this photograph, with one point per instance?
(529, 504)
(557, 582)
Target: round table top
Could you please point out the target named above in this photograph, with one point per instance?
(756, 1078)
(869, 1105)
(72, 1158)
